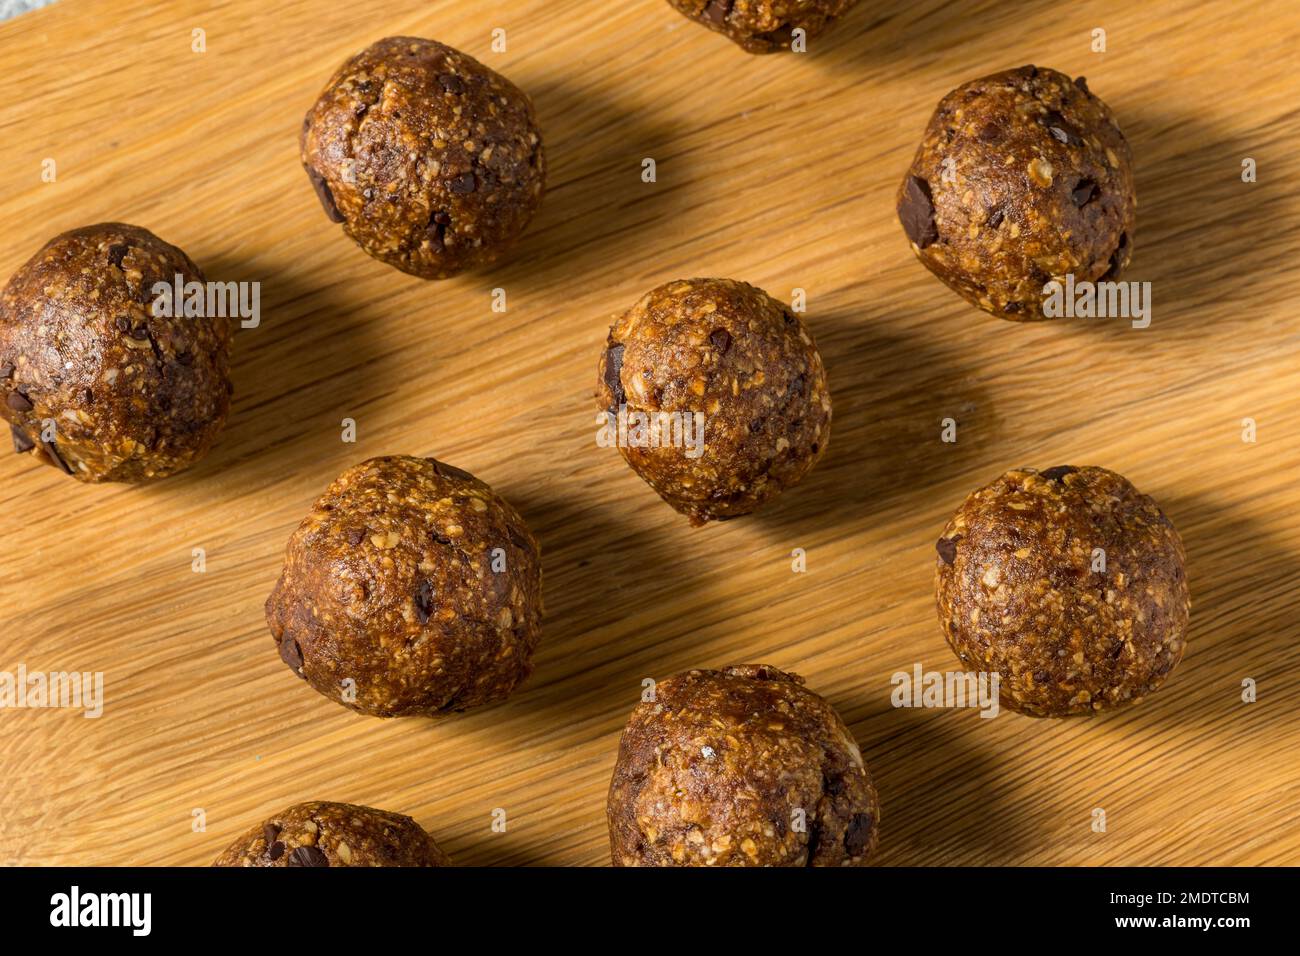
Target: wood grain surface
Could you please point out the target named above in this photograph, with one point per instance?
(780, 171)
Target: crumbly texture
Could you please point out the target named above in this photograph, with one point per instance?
(739, 767)
(91, 381)
(432, 161)
(1022, 178)
(410, 589)
(334, 834)
(1021, 592)
(764, 26)
(742, 359)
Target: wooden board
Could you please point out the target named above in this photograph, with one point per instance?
(777, 170)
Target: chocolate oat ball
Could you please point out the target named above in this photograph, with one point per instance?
(1069, 584)
(93, 382)
(334, 834)
(727, 358)
(1022, 178)
(764, 26)
(411, 589)
(432, 161)
(739, 767)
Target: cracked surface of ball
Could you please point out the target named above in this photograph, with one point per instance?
(1022, 178)
(764, 26)
(739, 767)
(431, 161)
(411, 589)
(1067, 582)
(320, 834)
(740, 360)
(94, 383)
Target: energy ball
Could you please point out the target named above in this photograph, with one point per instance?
(411, 589)
(715, 395)
(431, 161)
(1022, 178)
(1069, 584)
(91, 381)
(764, 26)
(739, 767)
(334, 834)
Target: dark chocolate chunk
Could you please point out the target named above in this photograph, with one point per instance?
(22, 443)
(996, 217)
(1084, 193)
(947, 548)
(325, 196)
(1057, 473)
(52, 450)
(717, 10)
(1082, 83)
(858, 835)
(291, 653)
(117, 252)
(463, 184)
(275, 850)
(1060, 129)
(916, 212)
(355, 536)
(450, 471)
(613, 372)
(18, 401)
(308, 856)
(269, 832)
(6, 371)
(721, 340)
(452, 83)
(424, 598)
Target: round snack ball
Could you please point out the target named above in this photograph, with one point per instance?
(1069, 584)
(764, 26)
(730, 356)
(432, 161)
(91, 381)
(334, 834)
(411, 589)
(1023, 178)
(739, 767)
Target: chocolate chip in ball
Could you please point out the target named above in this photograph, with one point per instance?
(22, 443)
(291, 653)
(325, 196)
(308, 856)
(18, 401)
(424, 598)
(916, 211)
(1084, 193)
(1058, 473)
(947, 548)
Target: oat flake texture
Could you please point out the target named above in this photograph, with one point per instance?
(1021, 593)
(739, 767)
(1022, 177)
(322, 835)
(411, 589)
(431, 161)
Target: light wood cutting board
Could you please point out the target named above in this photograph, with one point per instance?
(780, 171)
